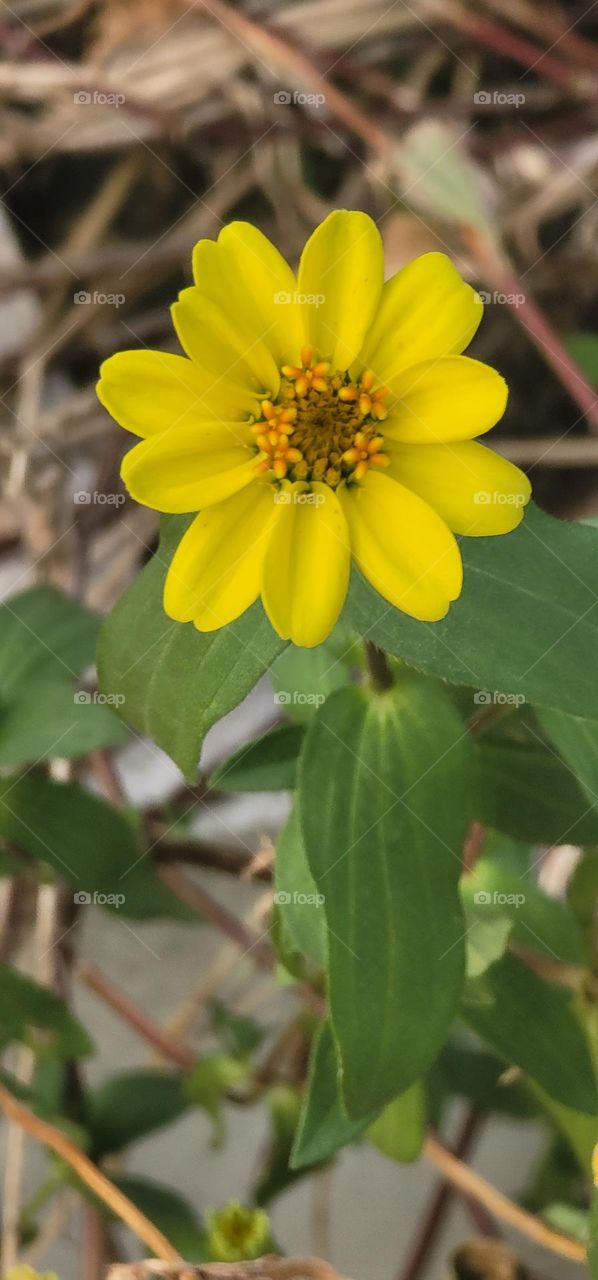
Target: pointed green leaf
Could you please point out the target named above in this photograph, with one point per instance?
(530, 1023)
(400, 1130)
(526, 622)
(384, 809)
(268, 764)
(89, 844)
(323, 1125)
(26, 1008)
(44, 635)
(176, 682)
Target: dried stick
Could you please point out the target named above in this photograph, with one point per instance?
(472, 1185)
(268, 1268)
(93, 1178)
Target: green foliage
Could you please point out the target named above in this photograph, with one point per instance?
(32, 1014)
(175, 681)
(530, 1023)
(268, 764)
(526, 622)
(383, 806)
(87, 843)
(130, 1106)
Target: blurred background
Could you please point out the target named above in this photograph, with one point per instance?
(128, 130)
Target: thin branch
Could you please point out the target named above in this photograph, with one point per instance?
(268, 1268)
(130, 1013)
(93, 1178)
(471, 1184)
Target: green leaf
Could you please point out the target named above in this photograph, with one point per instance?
(529, 1023)
(579, 1130)
(129, 1106)
(50, 719)
(170, 1213)
(44, 635)
(584, 349)
(323, 1126)
(92, 846)
(268, 764)
(466, 1072)
(400, 1131)
(276, 1172)
(487, 941)
(175, 681)
(538, 922)
(303, 678)
(26, 1007)
(576, 740)
(208, 1083)
(525, 791)
(297, 897)
(526, 622)
(384, 809)
(568, 1220)
(239, 1035)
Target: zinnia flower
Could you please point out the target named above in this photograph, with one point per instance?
(315, 420)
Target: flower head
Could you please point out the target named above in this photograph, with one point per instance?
(315, 421)
(236, 1232)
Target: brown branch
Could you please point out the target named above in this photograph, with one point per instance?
(93, 1178)
(198, 898)
(268, 1268)
(477, 1188)
(130, 1013)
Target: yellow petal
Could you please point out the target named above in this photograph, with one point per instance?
(426, 311)
(150, 391)
(451, 399)
(306, 568)
(191, 467)
(402, 547)
(340, 276)
(218, 340)
(249, 279)
(476, 492)
(217, 568)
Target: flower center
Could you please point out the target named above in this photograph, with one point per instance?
(322, 426)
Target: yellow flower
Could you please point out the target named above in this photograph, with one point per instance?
(236, 1233)
(316, 420)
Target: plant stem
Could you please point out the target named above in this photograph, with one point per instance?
(378, 667)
